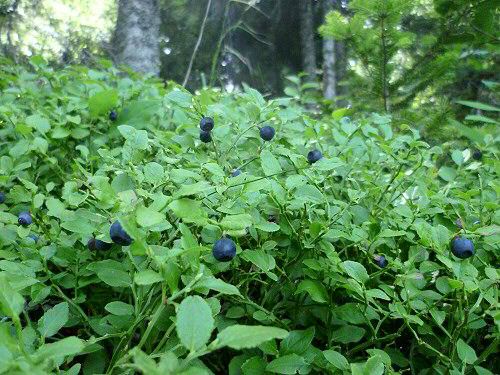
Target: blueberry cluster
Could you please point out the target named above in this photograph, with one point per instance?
(206, 126)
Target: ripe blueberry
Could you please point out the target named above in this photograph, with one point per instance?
(118, 235)
(113, 116)
(206, 124)
(24, 219)
(477, 155)
(462, 247)
(224, 250)
(205, 136)
(313, 156)
(2, 197)
(235, 173)
(267, 133)
(94, 244)
(380, 261)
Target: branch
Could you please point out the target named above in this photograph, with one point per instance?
(186, 78)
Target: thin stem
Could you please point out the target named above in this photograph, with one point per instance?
(186, 78)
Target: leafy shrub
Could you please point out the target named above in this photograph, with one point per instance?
(303, 293)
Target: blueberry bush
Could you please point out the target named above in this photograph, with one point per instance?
(322, 246)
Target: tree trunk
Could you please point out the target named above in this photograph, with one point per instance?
(136, 36)
(329, 76)
(307, 39)
(341, 73)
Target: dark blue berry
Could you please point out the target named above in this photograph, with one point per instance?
(236, 172)
(267, 133)
(118, 234)
(2, 197)
(113, 116)
(205, 136)
(224, 250)
(381, 261)
(477, 155)
(313, 156)
(462, 247)
(94, 244)
(206, 124)
(24, 219)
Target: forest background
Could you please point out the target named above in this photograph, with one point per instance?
(414, 59)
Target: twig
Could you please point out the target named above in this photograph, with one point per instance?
(188, 73)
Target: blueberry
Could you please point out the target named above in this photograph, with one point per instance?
(113, 116)
(313, 156)
(462, 247)
(267, 133)
(118, 235)
(477, 155)
(380, 261)
(24, 219)
(273, 218)
(224, 250)
(2, 197)
(206, 124)
(94, 244)
(205, 136)
(235, 173)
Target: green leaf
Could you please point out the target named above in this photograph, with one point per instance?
(181, 98)
(347, 334)
(488, 230)
(11, 302)
(465, 352)
(79, 225)
(269, 163)
(326, 164)
(65, 347)
(289, 364)
(374, 366)
(254, 366)
(189, 210)
(315, 289)
(119, 308)
(482, 371)
(448, 174)
(53, 319)
(194, 322)
(268, 227)
(481, 119)
(215, 169)
(471, 133)
(192, 189)
(147, 217)
(102, 102)
(217, 285)
(336, 359)
(457, 157)
(391, 233)
(297, 342)
(477, 105)
(260, 258)
(242, 336)
(154, 173)
(236, 222)
(39, 123)
(147, 277)
(309, 193)
(114, 277)
(356, 270)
